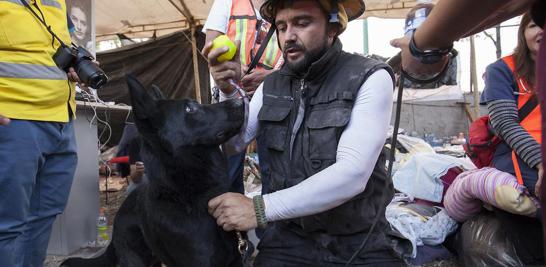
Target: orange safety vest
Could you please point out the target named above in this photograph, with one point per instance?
(242, 26)
(531, 123)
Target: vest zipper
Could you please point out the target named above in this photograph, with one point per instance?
(299, 116)
(281, 97)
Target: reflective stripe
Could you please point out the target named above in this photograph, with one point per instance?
(244, 34)
(241, 25)
(270, 53)
(30, 71)
(18, 2)
(52, 3)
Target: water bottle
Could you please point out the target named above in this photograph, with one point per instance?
(102, 229)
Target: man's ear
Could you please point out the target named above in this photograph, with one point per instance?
(143, 104)
(333, 31)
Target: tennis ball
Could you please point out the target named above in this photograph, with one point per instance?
(221, 41)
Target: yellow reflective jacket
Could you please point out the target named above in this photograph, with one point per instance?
(32, 87)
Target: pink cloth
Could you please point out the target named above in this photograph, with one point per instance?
(465, 197)
(447, 180)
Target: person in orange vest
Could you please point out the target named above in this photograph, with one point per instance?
(509, 86)
(241, 20)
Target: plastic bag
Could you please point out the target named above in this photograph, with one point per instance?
(482, 241)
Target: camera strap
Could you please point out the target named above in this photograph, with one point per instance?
(42, 21)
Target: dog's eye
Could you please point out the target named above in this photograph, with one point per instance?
(189, 109)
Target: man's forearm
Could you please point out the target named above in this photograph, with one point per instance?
(452, 19)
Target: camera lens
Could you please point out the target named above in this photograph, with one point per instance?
(98, 80)
(91, 74)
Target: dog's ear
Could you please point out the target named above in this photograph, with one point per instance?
(143, 104)
(157, 93)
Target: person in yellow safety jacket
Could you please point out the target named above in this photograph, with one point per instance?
(252, 32)
(37, 142)
(241, 20)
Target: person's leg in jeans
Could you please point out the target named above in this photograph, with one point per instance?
(38, 163)
(235, 172)
(50, 195)
(19, 161)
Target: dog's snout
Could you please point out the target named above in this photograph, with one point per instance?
(236, 108)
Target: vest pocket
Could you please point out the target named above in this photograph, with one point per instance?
(275, 136)
(325, 127)
(274, 129)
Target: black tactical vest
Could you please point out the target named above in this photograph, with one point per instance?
(302, 120)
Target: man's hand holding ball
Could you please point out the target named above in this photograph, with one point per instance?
(224, 62)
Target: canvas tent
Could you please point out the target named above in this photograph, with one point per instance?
(148, 18)
(156, 18)
(141, 18)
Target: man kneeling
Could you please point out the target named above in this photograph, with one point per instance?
(324, 116)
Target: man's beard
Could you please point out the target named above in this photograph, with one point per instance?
(309, 57)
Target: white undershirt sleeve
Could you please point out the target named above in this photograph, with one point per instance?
(218, 18)
(357, 153)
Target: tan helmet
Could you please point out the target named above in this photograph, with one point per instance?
(341, 11)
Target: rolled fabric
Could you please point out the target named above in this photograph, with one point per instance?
(471, 189)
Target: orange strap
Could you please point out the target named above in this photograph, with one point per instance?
(510, 61)
(516, 168)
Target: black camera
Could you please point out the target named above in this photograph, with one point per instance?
(82, 62)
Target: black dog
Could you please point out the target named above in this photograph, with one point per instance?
(167, 220)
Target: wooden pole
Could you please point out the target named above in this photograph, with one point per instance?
(195, 64)
(468, 113)
(474, 77)
(189, 17)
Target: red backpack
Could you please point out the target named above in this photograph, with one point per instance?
(482, 141)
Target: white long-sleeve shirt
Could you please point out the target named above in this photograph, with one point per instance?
(357, 153)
